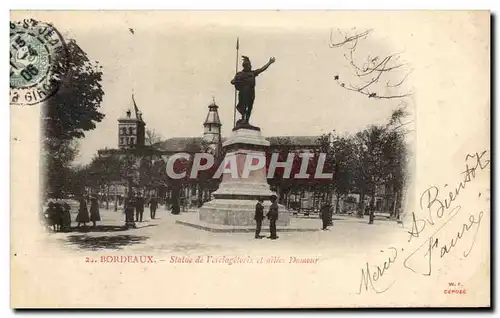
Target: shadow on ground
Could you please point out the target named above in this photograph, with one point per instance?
(115, 242)
(314, 217)
(142, 226)
(99, 228)
(106, 228)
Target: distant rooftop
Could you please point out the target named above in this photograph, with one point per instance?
(132, 116)
(178, 144)
(294, 140)
(213, 115)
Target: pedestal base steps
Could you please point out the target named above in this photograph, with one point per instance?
(295, 225)
(238, 212)
(236, 197)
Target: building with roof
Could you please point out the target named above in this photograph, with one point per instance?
(132, 144)
(131, 129)
(145, 159)
(183, 144)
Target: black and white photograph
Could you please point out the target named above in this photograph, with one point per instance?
(265, 159)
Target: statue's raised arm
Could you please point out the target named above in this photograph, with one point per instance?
(263, 68)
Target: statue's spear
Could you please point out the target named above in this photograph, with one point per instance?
(234, 110)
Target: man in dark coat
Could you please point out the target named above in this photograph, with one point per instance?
(272, 215)
(66, 220)
(94, 210)
(325, 216)
(129, 205)
(153, 204)
(259, 216)
(57, 216)
(139, 209)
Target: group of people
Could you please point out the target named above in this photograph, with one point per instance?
(58, 214)
(272, 216)
(58, 217)
(83, 216)
(134, 205)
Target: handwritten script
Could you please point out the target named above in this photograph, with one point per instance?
(440, 210)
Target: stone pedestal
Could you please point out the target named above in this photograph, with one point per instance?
(235, 200)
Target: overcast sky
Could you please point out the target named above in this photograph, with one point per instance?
(176, 62)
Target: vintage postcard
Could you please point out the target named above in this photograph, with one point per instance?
(274, 159)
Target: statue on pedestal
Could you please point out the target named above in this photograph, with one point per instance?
(244, 83)
(233, 203)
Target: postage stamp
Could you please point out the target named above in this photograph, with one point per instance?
(37, 61)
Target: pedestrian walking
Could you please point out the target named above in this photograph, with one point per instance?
(83, 213)
(272, 215)
(259, 216)
(153, 205)
(129, 208)
(325, 216)
(47, 215)
(139, 209)
(371, 212)
(66, 217)
(57, 217)
(94, 211)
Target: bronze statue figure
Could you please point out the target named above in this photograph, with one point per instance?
(244, 82)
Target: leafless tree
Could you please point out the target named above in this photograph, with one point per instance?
(372, 73)
(152, 137)
(398, 121)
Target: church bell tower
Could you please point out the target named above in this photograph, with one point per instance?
(212, 140)
(131, 129)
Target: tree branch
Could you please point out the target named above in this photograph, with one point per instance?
(375, 67)
(362, 90)
(353, 39)
(400, 82)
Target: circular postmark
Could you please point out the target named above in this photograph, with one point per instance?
(38, 58)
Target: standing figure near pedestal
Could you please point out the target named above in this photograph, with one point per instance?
(259, 216)
(233, 202)
(272, 215)
(244, 82)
